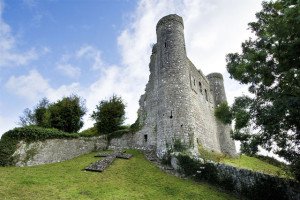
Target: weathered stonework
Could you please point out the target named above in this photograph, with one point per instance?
(179, 101)
(242, 181)
(56, 150)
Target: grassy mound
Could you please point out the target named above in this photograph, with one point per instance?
(136, 178)
(255, 164)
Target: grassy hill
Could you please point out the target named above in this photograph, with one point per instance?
(256, 165)
(136, 178)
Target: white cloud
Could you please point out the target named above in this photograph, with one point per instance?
(93, 54)
(9, 55)
(46, 50)
(69, 70)
(30, 3)
(33, 87)
(212, 29)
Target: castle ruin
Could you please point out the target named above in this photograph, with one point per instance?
(179, 100)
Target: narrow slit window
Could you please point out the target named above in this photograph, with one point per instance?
(145, 138)
(194, 82)
(165, 44)
(200, 87)
(171, 116)
(206, 97)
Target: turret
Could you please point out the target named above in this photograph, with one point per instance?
(175, 121)
(217, 87)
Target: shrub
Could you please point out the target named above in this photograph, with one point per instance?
(198, 170)
(90, 132)
(178, 146)
(136, 126)
(222, 112)
(207, 155)
(10, 139)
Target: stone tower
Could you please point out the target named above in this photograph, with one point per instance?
(179, 101)
(174, 117)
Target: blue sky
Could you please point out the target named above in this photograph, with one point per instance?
(94, 48)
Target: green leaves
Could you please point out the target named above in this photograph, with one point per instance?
(109, 115)
(270, 65)
(223, 113)
(66, 114)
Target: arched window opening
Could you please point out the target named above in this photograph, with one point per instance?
(145, 138)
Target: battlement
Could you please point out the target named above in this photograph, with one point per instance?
(168, 18)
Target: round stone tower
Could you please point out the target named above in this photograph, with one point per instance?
(174, 120)
(217, 87)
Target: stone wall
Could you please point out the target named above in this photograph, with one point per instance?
(130, 141)
(56, 150)
(245, 181)
(253, 185)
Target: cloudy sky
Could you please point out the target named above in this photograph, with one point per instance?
(94, 48)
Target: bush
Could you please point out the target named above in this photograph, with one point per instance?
(222, 112)
(136, 126)
(198, 170)
(65, 114)
(209, 155)
(90, 132)
(109, 115)
(10, 139)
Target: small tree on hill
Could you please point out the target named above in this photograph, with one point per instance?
(109, 115)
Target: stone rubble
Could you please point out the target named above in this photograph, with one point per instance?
(101, 165)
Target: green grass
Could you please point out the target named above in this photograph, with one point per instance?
(136, 178)
(254, 164)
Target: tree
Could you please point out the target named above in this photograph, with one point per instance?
(41, 113)
(65, 114)
(37, 116)
(27, 119)
(109, 115)
(270, 65)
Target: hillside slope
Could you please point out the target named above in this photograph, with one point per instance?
(136, 178)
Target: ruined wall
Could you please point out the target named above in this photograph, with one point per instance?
(56, 150)
(203, 112)
(217, 88)
(179, 101)
(247, 183)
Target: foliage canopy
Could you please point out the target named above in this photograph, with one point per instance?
(66, 114)
(109, 115)
(270, 65)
